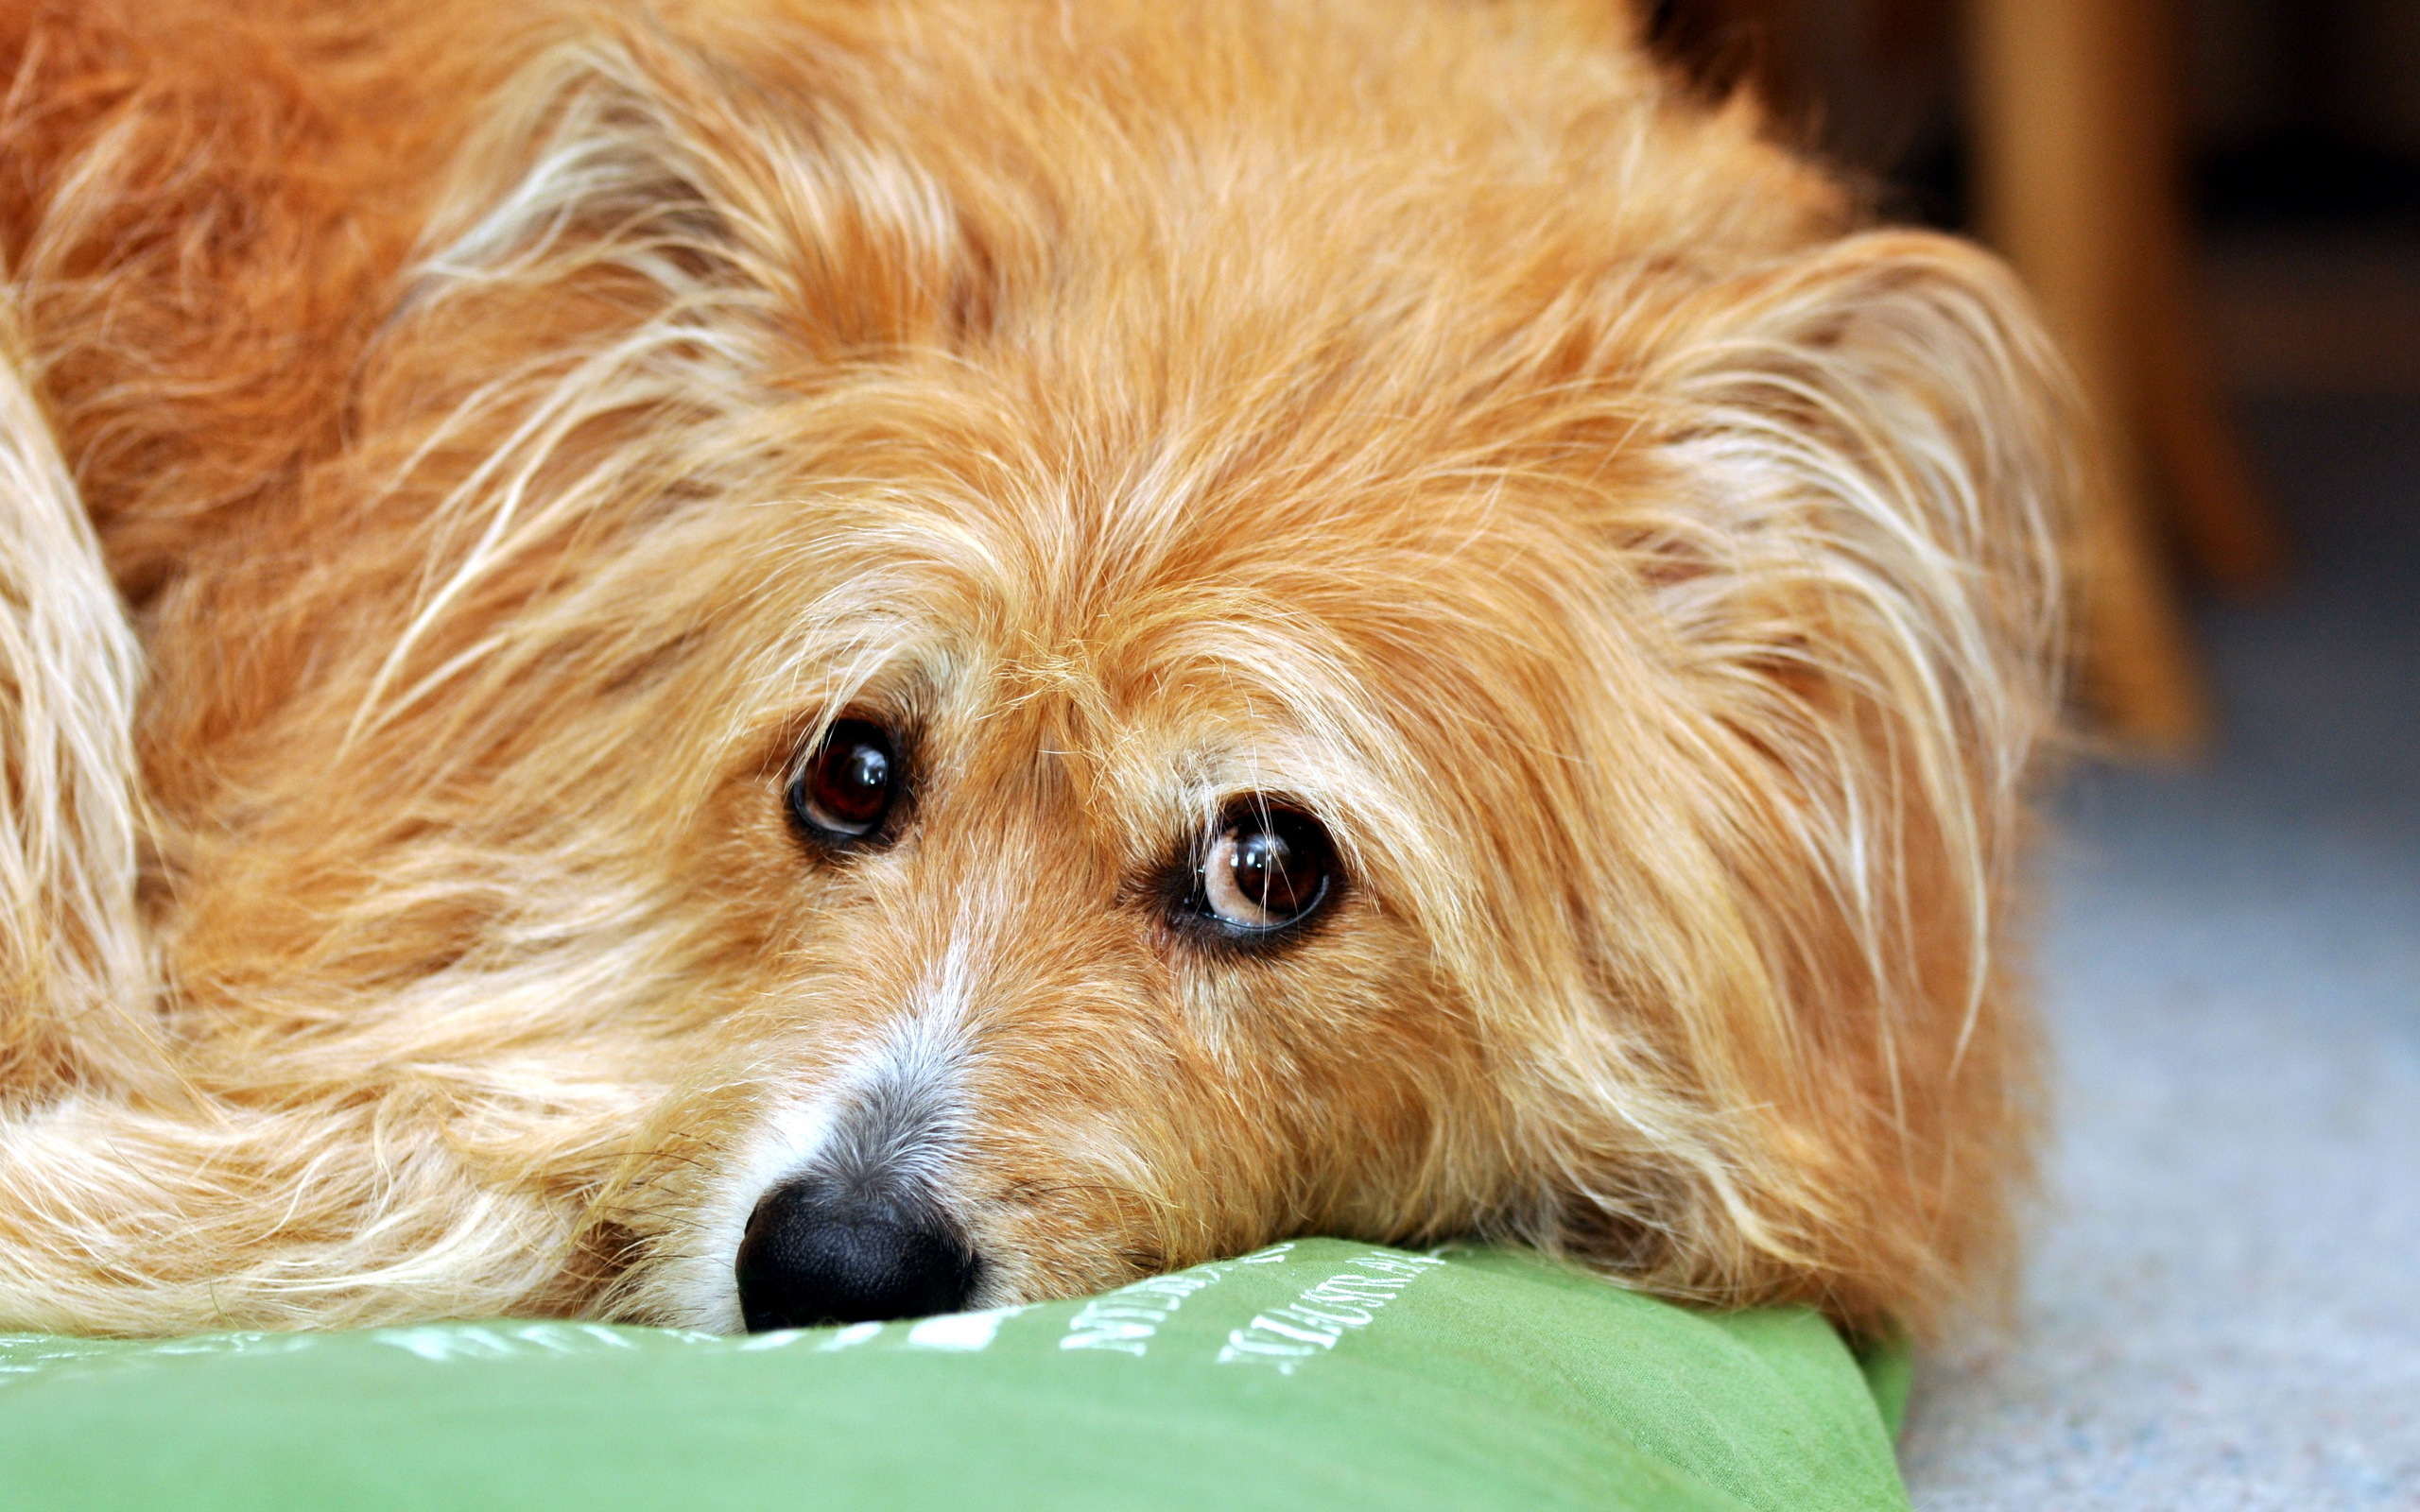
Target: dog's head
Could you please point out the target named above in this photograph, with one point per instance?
(1064, 655)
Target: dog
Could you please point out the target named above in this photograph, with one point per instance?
(758, 663)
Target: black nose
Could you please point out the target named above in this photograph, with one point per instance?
(819, 1252)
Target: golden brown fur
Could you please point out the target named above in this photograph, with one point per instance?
(510, 433)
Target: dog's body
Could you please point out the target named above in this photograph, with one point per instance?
(495, 498)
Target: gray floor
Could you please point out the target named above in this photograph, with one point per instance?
(2223, 1303)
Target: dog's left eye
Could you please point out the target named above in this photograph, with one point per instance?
(849, 786)
(1267, 868)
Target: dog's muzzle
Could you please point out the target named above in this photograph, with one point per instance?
(819, 1250)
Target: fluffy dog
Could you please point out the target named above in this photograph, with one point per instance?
(770, 660)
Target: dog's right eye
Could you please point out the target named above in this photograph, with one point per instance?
(849, 786)
(1268, 871)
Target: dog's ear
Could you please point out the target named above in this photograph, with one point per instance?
(1849, 565)
(635, 172)
(1879, 455)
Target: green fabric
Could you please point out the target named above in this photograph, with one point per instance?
(1318, 1374)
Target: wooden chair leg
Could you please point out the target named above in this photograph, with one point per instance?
(2141, 673)
(2065, 173)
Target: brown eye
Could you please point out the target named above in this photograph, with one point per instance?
(849, 783)
(1267, 868)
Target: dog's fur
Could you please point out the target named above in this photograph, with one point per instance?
(457, 457)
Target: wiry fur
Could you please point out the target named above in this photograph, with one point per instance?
(457, 456)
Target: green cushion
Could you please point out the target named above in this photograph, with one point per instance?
(1318, 1374)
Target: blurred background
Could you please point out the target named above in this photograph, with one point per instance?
(2298, 155)
(2219, 203)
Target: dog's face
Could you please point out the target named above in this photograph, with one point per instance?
(1007, 687)
(1083, 923)
(1130, 859)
